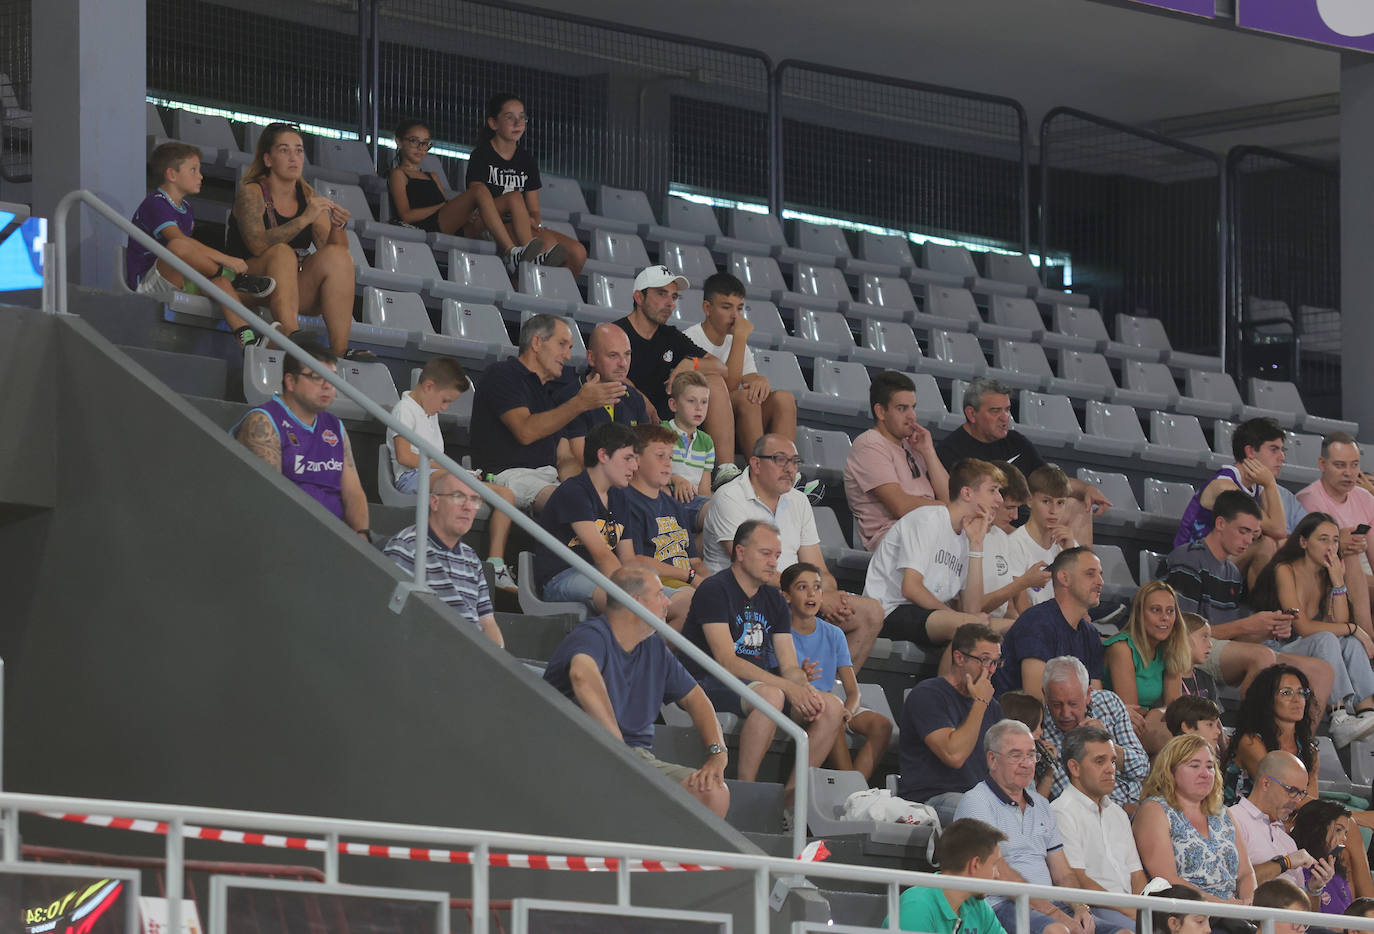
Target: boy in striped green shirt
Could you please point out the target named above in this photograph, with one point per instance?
(694, 453)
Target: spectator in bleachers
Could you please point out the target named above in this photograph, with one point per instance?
(933, 555)
(1259, 446)
(967, 848)
(517, 425)
(1208, 583)
(1260, 818)
(1004, 590)
(1046, 532)
(987, 435)
(617, 669)
(582, 513)
(498, 167)
(1177, 922)
(892, 468)
(165, 215)
(1098, 845)
(1287, 895)
(756, 406)
(1056, 627)
(295, 434)
(452, 569)
(608, 361)
(1018, 705)
(284, 229)
(418, 200)
(1146, 661)
(694, 453)
(1359, 908)
(766, 491)
(1193, 714)
(1321, 829)
(1034, 850)
(823, 655)
(740, 618)
(657, 529)
(1072, 702)
(1306, 579)
(1183, 832)
(1341, 492)
(944, 721)
(1200, 681)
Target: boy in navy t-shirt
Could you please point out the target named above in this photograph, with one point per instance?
(166, 216)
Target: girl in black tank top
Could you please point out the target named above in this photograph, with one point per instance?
(301, 242)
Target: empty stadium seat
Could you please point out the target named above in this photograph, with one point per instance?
(352, 199)
(479, 330)
(959, 353)
(755, 227)
(612, 292)
(1178, 439)
(888, 298)
(1150, 565)
(530, 601)
(406, 311)
(214, 137)
(891, 250)
(830, 334)
(834, 548)
(824, 453)
(688, 310)
(372, 380)
(930, 404)
(679, 213)
(1284, 397)
(1113, 430)
(1090, 372)
(1013, 319)
(1026, 367)
(1125, 512)
(415, 261)
(478, 277)
(1153, 379)
(561, 199)
(762, 278)
(632, 206)
(687, 259)
(1085, 324)
(349, 161)
(1166, 498)
(1048, 419)
(1222, 434)
(364, 274)
(1017, 268)
(957, 261)
(783, 372)
(769, 331)
(1301, 465)
(829, 240)
(1210, 395)
(894, 340)
(553, 290)
(616, 254)
(261, 373)
(156, 130)
(843, 381)
(954, 305)
(1117, 581)
(1148, 333)
(822, 284)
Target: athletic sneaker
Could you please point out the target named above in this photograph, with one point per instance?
(555, 255)
(724, 474)
(1346, 727)
(249, 337)
(254, 286)
(502, 578)
(516, 255)
(358, 355)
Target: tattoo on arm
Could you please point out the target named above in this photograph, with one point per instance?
(248, 211)
(257, 435)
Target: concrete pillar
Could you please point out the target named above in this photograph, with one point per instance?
(89, 82)
(1357, 240)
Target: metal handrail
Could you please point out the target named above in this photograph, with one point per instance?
(178, 817)
(55, 302)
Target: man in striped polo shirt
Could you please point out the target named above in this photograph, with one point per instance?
(452, 569)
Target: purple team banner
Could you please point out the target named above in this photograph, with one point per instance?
(1205, 8)
(1345, 23)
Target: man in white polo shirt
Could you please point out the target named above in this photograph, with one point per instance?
(766, 491)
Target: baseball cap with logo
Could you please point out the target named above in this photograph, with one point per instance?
(656, 277)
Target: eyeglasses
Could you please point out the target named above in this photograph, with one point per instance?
(1018, 757)
(987, 661)
(418, 141)
(470, 499)
(1289, 692)
(1292, 791)
(782, 460)
(310, 375)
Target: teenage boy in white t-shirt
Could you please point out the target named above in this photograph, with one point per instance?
(932, 555)
(1004, 589)
(1046, 533)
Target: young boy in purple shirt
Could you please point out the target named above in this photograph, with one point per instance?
(165, 215)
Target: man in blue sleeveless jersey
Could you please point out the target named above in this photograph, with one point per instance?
(294, 434)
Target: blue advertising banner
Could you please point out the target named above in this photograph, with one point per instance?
(1348, 24)
(1205, 8)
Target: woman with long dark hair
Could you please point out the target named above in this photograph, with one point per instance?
(1321, 828)
(1276, 714)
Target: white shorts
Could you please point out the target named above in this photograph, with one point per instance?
(155, 285)
(526, 483)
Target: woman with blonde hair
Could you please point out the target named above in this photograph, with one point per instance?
(1183, 832)
(1146, 662)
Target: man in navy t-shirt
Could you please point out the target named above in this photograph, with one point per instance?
(621, 672)
(608, 357)
(742, 620)
(1056, 627)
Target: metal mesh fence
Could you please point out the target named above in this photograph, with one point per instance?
(1140, 215)
(1285, 248)
(16, 103)
(904, 155)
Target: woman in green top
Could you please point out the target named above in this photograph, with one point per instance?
(1146, 661)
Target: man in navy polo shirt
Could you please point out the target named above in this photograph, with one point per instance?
(608, 362)
(1056, 627)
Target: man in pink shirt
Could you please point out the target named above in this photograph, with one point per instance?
(892, 468)
(1339, 493)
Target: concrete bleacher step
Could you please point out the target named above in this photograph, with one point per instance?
(186, 373)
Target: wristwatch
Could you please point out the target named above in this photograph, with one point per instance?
(691, 575)
(715, 749)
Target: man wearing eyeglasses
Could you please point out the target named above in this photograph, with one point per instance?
(295, 434)
(944, 721)
(766, 491)
(452, 569)
(1280, 789)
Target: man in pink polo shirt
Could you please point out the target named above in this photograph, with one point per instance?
(1338, 493)
(892, 468)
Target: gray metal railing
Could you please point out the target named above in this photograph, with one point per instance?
(483, 843)
(55, 302)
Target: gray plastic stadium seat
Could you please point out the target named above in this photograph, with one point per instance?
(612, 292)
(957, 261)
(888, 298)
(1144, 332)
(688, 310)
(386, 483)
(687, 259)
(828, 329)
(479, 330)
(893, 339)
(1048, 419)
(1210, 395)
(1166, 498)
(156, 129)
(825, 813)
(765, 229)
(616, 253)
(579, 347)
(261, 373)
(822, 284)
(1222, 433)
(632, 206)
(347, 160)
(1150, 564)
(1090, 371)
(1017, 269)
(530, 601)
(845, 382)
(679, 213)
(762, 278)
(783, 372)
(1118, 582)
(415, 262)
(1153, 379)
(959, 352)
(1112, 430)
(405, 311)
(352, 199)
(824, 452)
(1125, 511)
(1082, 323)
(372, 380)
(892, 250)
(769, 331)
(829, 240)
(1178, 439)
(952, 305)
(1301, 465)
(1013, 319)
(1284, 396)
(553, 290)
(364, 274)
(1026, 367)
(215, 139)
(477, 277)
(183, 306)
(561, 199)
(834, 548)
(930, 404)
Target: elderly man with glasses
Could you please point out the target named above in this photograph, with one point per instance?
(766, 491)
(452, 569)
(1280, 789)
(1071, 702)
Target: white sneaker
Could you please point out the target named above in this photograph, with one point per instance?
(724, 474)
(1346, 728)
(502, 577)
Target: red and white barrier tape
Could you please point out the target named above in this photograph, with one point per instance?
(813, 853)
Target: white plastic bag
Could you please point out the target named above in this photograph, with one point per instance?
(877, 804)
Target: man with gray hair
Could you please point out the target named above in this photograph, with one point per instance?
(987, 435)
(618, 670)
(1073, 703)
(1033, 850)
(1098, 842)
(517, 426)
